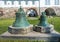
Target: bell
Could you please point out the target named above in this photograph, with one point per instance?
(21, 25)
(43, 20)
(43, 26)
(20, 20)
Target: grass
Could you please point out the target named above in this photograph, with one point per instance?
(20, 40)
(4, 23)
(56, 22)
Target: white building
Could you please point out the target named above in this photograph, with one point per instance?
(29, 3)
(27, 6)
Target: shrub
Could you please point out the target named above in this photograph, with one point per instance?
(50, 12)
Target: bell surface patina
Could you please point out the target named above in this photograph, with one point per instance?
(43, 20)
(20, 20)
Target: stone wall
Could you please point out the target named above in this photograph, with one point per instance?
(10, 12)
(57, 10)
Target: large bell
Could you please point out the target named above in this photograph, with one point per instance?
(43, 20)
(21, 25)
(43, 26)
(21, 20)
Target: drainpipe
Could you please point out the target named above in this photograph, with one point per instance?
(39, 8)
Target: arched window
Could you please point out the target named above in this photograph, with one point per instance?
(47, 2)
(56, 2)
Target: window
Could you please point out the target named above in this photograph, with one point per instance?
(56, 2)
(36, 3)
(33, 3)
(1, 3)
(29, 3)
(9, 2)
(19, 2)
(23, 3)
(47, 2)
(16, 2)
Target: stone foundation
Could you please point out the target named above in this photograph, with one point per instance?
(41, 29)
(19, 30)
(53, 37)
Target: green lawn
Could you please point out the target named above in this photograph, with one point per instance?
(20, 40)
(4, 23)
(56, 22)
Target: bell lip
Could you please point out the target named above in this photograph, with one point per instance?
(46, 26)
(20, 27)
